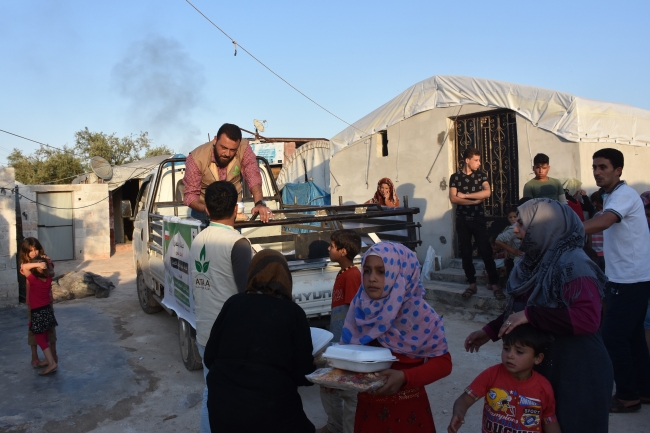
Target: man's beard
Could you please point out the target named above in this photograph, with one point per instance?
(223, 164)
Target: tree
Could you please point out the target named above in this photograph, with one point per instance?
(46, 165)
(116, 150)
(157, 151)
(49, 165)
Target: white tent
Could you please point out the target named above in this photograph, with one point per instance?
(121, 173)
(570, 117)
(311, 161)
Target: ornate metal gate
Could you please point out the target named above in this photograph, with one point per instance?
(494, 134)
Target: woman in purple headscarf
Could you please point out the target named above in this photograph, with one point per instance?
(390, 311)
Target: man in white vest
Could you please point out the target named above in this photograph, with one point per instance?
(223, 255)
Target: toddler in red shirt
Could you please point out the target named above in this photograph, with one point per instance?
(341, 405)
(516, 397)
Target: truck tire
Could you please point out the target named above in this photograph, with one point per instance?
(189, 350)
(147, 302)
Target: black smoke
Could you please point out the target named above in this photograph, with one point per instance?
(162, 85)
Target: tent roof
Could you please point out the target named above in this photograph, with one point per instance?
(121, 173)
(568, 116)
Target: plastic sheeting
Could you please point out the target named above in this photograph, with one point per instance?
(307, 193)
(570, 117)
(122, 173)
(311, 161)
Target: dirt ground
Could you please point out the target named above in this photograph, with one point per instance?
(120, 369)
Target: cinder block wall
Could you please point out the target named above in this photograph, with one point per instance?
(91, 224)
(8, 276)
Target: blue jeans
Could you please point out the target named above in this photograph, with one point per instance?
(624, 337)
(205, 419)
(201, 216)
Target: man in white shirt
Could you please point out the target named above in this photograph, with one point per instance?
(221, 257)
(626, 244)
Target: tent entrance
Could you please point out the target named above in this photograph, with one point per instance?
(494, 134)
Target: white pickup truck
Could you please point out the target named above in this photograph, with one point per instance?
(301, 233)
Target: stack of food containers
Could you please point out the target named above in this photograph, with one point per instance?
(358, 358)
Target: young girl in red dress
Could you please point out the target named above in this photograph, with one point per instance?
(40, 305)
(391, 312)
(29, 249)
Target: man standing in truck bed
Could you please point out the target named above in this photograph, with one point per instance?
(228, 158)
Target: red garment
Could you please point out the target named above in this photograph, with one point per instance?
(346, 286)
(409, 409)
(41, 340)
(577, 208)
(39, 291)
(523, 406)
(192, 178)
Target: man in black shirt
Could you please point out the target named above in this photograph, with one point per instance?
(467, 189)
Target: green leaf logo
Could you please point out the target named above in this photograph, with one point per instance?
(200, 265)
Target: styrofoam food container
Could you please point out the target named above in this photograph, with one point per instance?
(362, 359)
(319, 339)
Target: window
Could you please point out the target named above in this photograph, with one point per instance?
(382, 143)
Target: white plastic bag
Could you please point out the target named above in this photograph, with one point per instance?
(429, 264)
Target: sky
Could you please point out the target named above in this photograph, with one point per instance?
(125, 66)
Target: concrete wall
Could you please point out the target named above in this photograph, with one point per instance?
(8, 275)
(412, 148)
(91, 226)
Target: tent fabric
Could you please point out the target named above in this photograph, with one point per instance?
(315, 157)
(307, 193)
(570, 117)
(122, 173)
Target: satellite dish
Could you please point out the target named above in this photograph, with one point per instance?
(259, 125)
(101, 168)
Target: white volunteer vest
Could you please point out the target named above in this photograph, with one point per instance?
(214, 283)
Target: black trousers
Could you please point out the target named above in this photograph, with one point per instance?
(466, 227)
(624, 337)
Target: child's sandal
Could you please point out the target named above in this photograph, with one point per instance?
(498, 293)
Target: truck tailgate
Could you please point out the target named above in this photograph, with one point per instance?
(312, 290)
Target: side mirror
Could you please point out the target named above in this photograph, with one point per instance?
(127, 212)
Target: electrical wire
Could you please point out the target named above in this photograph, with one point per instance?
(12, 189)
(44, 144)
(269, 69)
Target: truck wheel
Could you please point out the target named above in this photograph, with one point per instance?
(189, 350)
(147, 302)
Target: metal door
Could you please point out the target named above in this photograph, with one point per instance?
(494, 134)
(55, 231)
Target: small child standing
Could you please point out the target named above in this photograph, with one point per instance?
(40, 304)
(516, 397)
(341, 405)
(509, 242)
(390, 311)
(29, 249)
(597, 238)
(543, 186)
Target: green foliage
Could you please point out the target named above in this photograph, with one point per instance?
(157, 151)
(48, 165)
(116, 150)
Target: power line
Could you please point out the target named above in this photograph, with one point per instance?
(132, 176)
(44, 144)
(270, 70)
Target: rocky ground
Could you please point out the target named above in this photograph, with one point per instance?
(120, 369)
